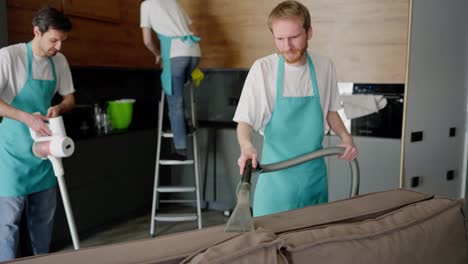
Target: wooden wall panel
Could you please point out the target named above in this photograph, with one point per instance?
(367, 39)
(92, 42)
(107, 10)
(33, 4)
(234, 33)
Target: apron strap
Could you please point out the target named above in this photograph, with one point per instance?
(53, 68)
(190, 39)
(313, 76)
(29, 62)
(280, 77)
(29, 59)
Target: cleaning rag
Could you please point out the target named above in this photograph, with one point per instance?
(361, 105)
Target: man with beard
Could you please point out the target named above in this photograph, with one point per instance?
(288, 97)
(30, 74)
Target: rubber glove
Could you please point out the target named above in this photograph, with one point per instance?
(197, 76)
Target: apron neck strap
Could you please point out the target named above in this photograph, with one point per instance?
(280, 76)
(313, 76)
(30, 59)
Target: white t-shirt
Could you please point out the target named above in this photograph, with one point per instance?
(14, 71)
(168, 18)
(257, 100)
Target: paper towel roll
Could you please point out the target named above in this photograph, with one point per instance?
(56, 126)
(59, 147)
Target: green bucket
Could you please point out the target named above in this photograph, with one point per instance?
(120, 113)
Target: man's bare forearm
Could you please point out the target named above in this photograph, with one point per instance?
(11, 112)
(336, 124)
(244, 134)
(67, 104)
(149, 42)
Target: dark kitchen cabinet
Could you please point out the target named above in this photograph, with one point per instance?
(109, 179)
(34, 4)
(104, 10)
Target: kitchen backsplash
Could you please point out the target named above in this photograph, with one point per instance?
(216, 97)
(97, 85)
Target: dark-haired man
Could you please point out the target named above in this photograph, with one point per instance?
(30, 74)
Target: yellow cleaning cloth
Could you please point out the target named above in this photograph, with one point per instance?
(197, 76)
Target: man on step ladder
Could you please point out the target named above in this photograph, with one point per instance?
(179, 53)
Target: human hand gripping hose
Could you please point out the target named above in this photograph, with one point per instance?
(241, 219)
(55, 148)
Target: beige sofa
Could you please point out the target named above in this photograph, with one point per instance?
(396, 226)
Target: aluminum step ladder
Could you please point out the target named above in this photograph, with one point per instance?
(156, 215)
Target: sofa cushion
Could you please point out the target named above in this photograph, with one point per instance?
(348, 210)
(431, 231)
(252, 247)
(447, 228)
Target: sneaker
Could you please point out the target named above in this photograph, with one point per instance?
(176, 156)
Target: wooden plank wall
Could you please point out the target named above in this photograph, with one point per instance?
(92, 42)
(367, 39)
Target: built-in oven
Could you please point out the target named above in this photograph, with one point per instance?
(385, 123)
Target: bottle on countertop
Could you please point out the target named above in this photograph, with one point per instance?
(98, 118)
(106, 125)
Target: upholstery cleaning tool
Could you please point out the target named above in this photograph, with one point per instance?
(241, 219)
(55, 148)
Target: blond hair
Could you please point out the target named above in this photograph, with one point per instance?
(290, 9)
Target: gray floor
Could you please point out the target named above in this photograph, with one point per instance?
(139, 228)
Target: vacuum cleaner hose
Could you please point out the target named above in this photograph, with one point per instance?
(354, 190)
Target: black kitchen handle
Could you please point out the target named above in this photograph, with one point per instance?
(247, 172)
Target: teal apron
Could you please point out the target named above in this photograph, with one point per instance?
(165, 41)
(22, 173)
(295, 128)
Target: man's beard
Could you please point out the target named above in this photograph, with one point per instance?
(298, 55)
(52, 53)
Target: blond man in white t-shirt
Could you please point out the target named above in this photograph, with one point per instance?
(290, 97)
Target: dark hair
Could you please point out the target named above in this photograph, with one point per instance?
(51, 18)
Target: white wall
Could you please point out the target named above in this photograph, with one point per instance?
(3, 24)
(436, 95)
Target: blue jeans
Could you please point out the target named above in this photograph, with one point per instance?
(40, 210)
(181, 68)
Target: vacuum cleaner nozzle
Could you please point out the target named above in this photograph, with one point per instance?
(241, 219)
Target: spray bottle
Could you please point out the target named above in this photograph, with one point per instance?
(55, 148)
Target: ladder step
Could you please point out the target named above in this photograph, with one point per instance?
(177, 201)
(175, 162)
(175, 217)
(173, 189)
(171, 135)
